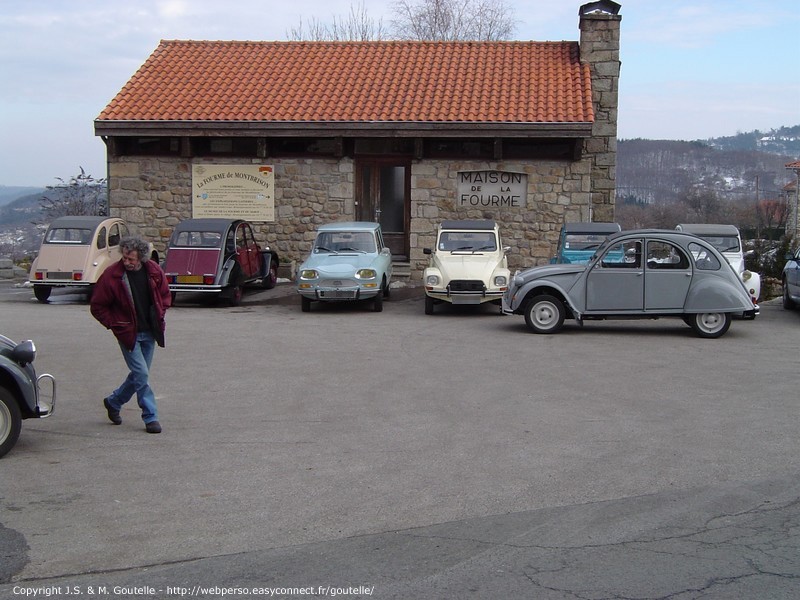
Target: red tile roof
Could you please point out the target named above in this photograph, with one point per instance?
(340, 82)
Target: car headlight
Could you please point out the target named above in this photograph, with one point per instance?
(366, 274)
(432, 280)
(308, 274)
(746, 275)
(500, 281)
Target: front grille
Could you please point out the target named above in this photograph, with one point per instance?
(343, 294)
(466, 285)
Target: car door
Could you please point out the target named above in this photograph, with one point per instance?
(668, 274)
(245, 250)
(793, 275)
(616, 281)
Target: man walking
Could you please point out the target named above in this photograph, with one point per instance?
(131, 298)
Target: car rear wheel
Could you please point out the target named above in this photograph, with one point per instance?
(386, 291)
(788, 303)
(42, 292)
(545, 314)
(235, 290)
(711, 325)
(10, 421)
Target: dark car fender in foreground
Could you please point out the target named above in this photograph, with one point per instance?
(20, 393)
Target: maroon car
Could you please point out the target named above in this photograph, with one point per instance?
(218, 256)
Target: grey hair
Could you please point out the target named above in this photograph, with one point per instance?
(129, 244)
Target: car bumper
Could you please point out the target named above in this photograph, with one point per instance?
(338, 294)
(465, 297)
(191, 287)
(61, 283)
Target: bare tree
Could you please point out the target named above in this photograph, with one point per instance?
(357, 26)
(453, 20)
(81, 195)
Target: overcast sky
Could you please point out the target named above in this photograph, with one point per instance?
(691, 69)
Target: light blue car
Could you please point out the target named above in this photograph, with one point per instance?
(349, 261)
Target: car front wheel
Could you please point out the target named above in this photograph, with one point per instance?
(271, 278)
(428, 305)
(545, 314)
(711, 325)
(10, 421)
(305, 304)
(377, 302)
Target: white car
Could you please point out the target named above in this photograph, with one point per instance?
(727, 240)
(468, 265)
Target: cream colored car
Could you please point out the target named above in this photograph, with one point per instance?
(74, 253)
(468, 265)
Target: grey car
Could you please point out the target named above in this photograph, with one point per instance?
(642, 274)
(791, 281)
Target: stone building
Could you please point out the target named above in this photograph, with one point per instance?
(404, 133)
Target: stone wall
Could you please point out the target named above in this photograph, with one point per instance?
(154, 194)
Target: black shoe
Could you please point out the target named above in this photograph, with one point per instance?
(153, 427)
(113, 414)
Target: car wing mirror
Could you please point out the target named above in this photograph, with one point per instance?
(506, 249)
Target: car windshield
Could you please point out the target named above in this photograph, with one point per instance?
(723, 243)
(583, 241)
(467, 241)
(68, 235)
(197, 239)
(345, 241)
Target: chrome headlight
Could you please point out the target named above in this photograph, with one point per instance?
(308, 274)
(432, 280)
(366, 274)
(500, 281)
(746, 275)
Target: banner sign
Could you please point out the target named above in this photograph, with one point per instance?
(233, 192)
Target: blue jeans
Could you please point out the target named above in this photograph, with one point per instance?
(138, 360)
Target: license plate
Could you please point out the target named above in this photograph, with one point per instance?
(190, 279)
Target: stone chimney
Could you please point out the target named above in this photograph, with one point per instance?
(599, 47)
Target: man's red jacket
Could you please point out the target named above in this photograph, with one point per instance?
(112, 302)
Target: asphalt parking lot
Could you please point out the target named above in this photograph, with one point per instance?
(395, 455)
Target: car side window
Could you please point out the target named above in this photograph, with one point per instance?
(703, 259)
(113, 235)
(241, 240)
(623, 255)
(101, 238)
(663, 255)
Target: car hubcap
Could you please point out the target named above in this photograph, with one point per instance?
(5, 422)
(710, 322)
(544, 314)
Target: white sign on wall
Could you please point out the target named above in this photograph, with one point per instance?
(234, 192)
(492, 189)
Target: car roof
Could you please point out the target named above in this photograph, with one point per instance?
(662, 233)
(217, 225)
(708, 229)
(468, 224)
(591, 227)
(349, 226)
(79, 221)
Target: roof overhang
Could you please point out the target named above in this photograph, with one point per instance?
(426, 129)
